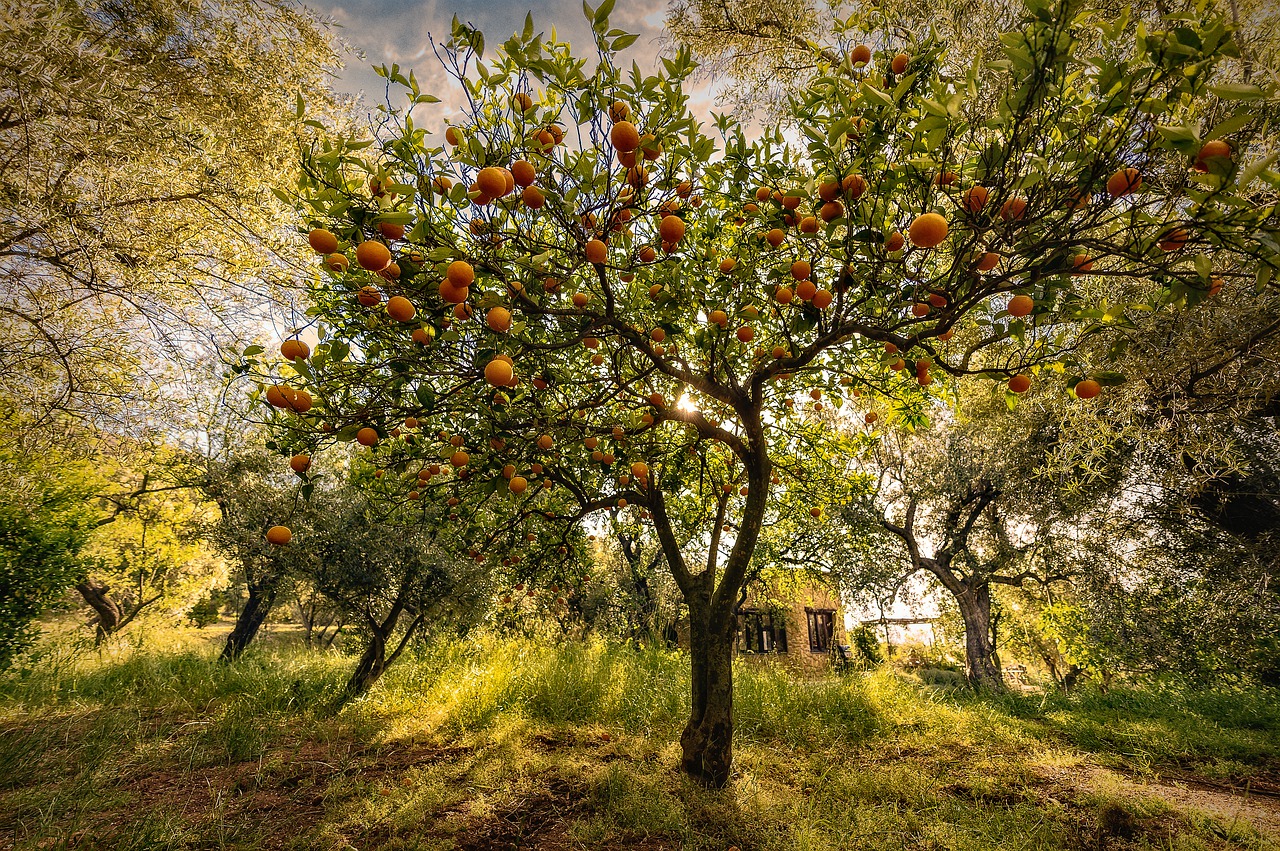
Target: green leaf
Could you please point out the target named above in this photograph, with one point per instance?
(253, 350)
(622, 42)
(1238, 91)
(602, 14)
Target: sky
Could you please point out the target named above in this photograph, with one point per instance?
(398, 31)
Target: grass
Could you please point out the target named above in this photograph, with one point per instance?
(511, 744)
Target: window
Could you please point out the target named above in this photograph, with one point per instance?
(758, 633)
(821, 625)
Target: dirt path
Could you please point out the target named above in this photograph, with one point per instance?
(1261, 810)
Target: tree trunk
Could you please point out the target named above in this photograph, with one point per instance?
(373, 662)
(107, 611)
(981, 663)
(262, 596)
(707, 740)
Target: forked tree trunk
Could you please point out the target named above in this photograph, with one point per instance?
(262, 597)
(372, 664)
(707, 740)
(981, 663)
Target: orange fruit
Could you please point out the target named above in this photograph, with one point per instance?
(829, 191)
(727, 265)
(367, 436)
(919, 309)
(400, 308)
(390, 231)
(899, 63)
(523, 173)
(775, 237)
(1021, 305)
(1020, 383)
(658, 334)
(618, 111)
(1013, 209)
(831, 211)
(784, 295)
(894, 242)
(745, 334)
(518, 484)
(854, 185)
(453, 136)
(522, 101)
(499, 373)
(671, 229)
(369, 296)
(1123, 182)
(459, 458)
(1088, 389)
(806, 289)
(808, 224)
(975, 198)
(460, 274)
(801, 270)
(815, 512)
(989, 261)
(322, 241)
(718, 317)
(1174, 240)
(597, 252)
(545, 442)
(337, 262)
(452, 294)
(945, 178)
(860, 55)
(294, 350)
(492, 182)
(928, 230)
(580, 299)
(498, 319)
(373, 255)
(822, 299)
(300, 463)
(624, 136)
(279, 535)
(533, 198)
(1081, 263)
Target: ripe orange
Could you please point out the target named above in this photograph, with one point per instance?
(580, 299)
(391, 231)
(545, 442)
(618, 111)
(367, 436)
(822, 299)
(745, 334)
(322, 241)
(279, 535)
(337, 262)
(894, 242)
(784, 295)
(1013, 209)
(899, 63)
(441, 185)
(523, 173)
(871, 417)
(453, 136)
(928, 230)
(533, 198)
(945, 178)
(775, 237)
(597, 252)
(1174, 240)
(624, 136)
(831, 211)
(499, 372)
(369, 296)
(727, 265)
(1081, 263)
(808, 224)
(671, 229)
(658, 335)
(498, 319)
(1020, 383)
(937, 299)
(518, 484)
(1215, 149)
(522, 101)
(806, 289)
(919, 309)
(989, 261)
(829, 190)
(801, 270)
(460, 274)
(492, 182)
(1088, 389)
(400, 308)
(815, 512)
(860, 55)
(373, 255)
(300, 463)
(459, 458)
(1123, 182)
(295, 350)
(975, 198)
(718, 317)
(1021, 305)
(452, 294)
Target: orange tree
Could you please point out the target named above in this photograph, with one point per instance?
(576, 299)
